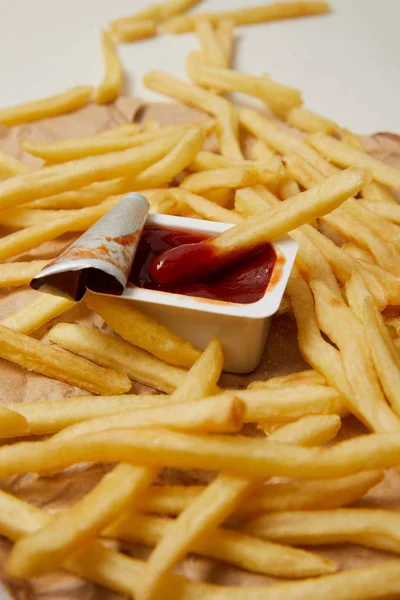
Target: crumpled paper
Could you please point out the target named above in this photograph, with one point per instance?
(17, 385)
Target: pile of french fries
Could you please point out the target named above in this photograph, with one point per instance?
(305, 176)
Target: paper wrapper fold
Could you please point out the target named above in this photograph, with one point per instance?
(17, 385)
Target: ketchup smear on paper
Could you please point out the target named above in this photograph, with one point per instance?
(243, 281)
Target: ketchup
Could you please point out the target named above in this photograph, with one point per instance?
(243, 281)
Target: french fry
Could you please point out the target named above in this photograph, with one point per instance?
(348, 137)
(278, 97)
(358, 253)
(21, 218)
(212, 52)
(292, 213)
(203, 376)
(205, 513)
(262, 151)
(318, 494)
(150, 124)
(12, 423)
(50, 416)
(32, 237)
(391, 212)
(309, 377)
(321, 355)
(170, 8)
(395, 322)
(225, 35)
(248, 15)
(143, 331)
(107, 350)
(132, 31)
(152, 11)
(337, 321)
(344, 155)
(111, 85)
(124, 129)
(307, 120)
(373, 528)
(287, 403)
(204, 100)
(224, 416)
(321, 429)
(174, 162)
(46, 107)
(10, 166)
(384, 354)
(52, 362)
(246, 457)
(61, 178)
(89, 195)
(282, 141)
(206, 161)
(223, 197)
(228, 546)
(37, 313)
(76, 148)
(205, 208)
(234, 177)
(45, 549)
(19, 273)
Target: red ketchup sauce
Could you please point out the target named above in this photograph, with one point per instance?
(243, 281)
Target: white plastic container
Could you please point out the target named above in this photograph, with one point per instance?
(242, 328)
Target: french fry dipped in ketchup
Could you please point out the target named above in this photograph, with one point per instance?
(191, 262)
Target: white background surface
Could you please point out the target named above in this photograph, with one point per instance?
(347, 63)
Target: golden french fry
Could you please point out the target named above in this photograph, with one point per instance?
(344, 155)
(225, 36)
(204, 100)
(348, 137)
(170, 8)
(388, 211)
(21, 218)
(89, 195)
(52, 362)
(143, 331)
(395, 322)
(206, 161)
(307, 120)
(150, 124)
(224, 416)
(152, 11)
(132, 31)
(246, 457)
(373, 528)
(61, 178)
(223, 197)
(203, 376)
(278, 97)
(249, 15)
(76, 148)
(12, 423)
(46, 107)
(302, 171)
(50, 416)
(342, 327)
(20, 273)
(309, 377)
(10, 166)
(212, 51)
(262, 151)
(111, 85)
(318, 494)
(229, 546)
(282, 141)
(37, 313)
(45, 549)
(34, 236)
(174, 162)
(113, 352)
(384, 354)
(205, 208)
(292, 213)
(321, 429)
(321, 355)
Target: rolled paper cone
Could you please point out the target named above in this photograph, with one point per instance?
(101, 259)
